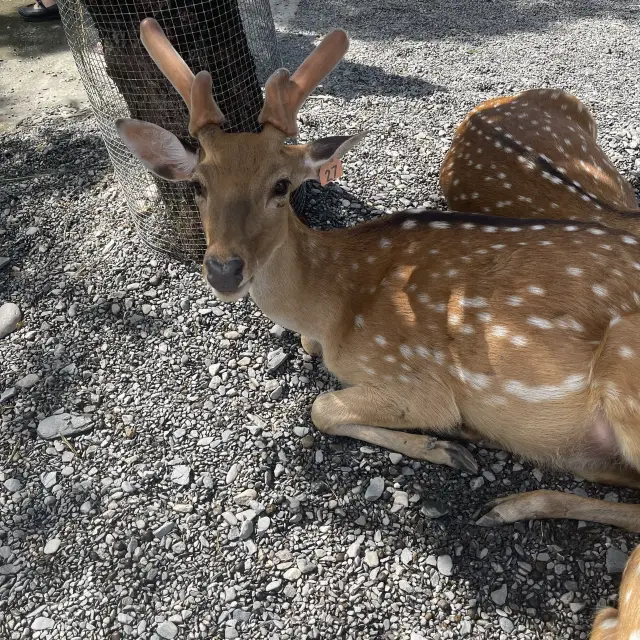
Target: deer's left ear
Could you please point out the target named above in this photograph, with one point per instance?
(325, 149)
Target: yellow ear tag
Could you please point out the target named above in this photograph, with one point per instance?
(331, 171)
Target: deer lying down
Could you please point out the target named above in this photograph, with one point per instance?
(536, 155)
(623, 624)
(525, 331)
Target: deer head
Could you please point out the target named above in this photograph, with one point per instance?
(242, 181)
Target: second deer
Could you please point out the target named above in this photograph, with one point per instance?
(535, 154)
(516, 329)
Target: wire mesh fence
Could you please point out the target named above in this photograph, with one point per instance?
(234, 40)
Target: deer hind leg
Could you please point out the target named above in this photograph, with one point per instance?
(366, 414)
(623, 624)
(614, 438)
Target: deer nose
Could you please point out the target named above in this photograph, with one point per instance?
(224, 276)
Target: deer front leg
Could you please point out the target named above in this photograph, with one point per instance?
(366, 414)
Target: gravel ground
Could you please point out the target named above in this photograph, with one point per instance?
(200, 502)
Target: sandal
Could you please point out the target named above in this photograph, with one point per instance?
(38, 12)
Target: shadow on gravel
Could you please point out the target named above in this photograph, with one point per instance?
(351, 80)
(463, 20)
(520, 556)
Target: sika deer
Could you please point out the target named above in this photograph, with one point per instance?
(623, 624)
(535, 154)
(432, 319)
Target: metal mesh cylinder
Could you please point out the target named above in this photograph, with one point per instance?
(234, 40)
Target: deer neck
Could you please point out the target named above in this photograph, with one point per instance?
(299, 287)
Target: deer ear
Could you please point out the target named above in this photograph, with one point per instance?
(325, 149)
(158, 149)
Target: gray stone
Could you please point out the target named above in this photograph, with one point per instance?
(395, 458)
(375, 489)
(10, 316)
(371, 558)
(48, 479)
(41, 623)
(445, 565)
(8, 394)
(63, 424)
(292, 574)
(181, 475)
(276, 360)
(167, 630)
(616, 560)
(406, 556)
(506, 625)
(52, 546)
(232, 474)
(30, 380)
(164, 529)
(4, 261)
(263, 524)
(246, 530)
(245, 498)
(274, 585)
(499, 596)
(433, 509)
(13, 485)
(466, 627)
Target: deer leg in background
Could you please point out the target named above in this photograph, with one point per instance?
(543, 505)
(364, 413)
(623, 624)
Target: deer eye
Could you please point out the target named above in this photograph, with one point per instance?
(197, 188)
(281, 188)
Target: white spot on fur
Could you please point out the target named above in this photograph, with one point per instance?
(536, 291)
(474, 303)
(406, 351)
(384, 243)
(390, 358)
(483, 316)
(542, 393)
(574, 271)
(571, 227)
(359, 321)
(409, 224)
(537, 227)
(626, 352)
(489, 229)
(499, 331)
(514, 301)
(423, 298)
(474, 380)
(629, 240)
(541, 323)
(599, 290)
(518, 341)
(381, 340)
(438, 224)
(596, 232)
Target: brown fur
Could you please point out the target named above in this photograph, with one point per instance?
(531, 155)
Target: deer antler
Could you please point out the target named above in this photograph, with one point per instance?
(285, 94)
(195, 90)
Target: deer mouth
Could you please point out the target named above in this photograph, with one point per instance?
(236, 294)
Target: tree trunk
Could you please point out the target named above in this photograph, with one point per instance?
(208, 35)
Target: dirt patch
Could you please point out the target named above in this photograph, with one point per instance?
(37, 70)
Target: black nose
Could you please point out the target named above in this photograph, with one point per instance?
(224, 276)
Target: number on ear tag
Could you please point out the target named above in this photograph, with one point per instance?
(330, 171)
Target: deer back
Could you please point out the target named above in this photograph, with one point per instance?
(535, 154)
